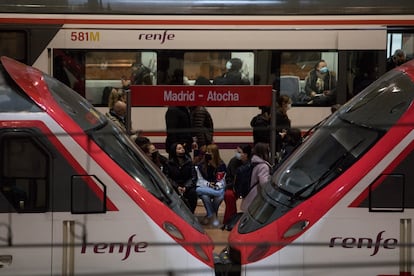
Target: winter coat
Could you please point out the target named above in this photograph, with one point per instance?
(178, 124)
(261, 129)
(260, 175)
(202, 125)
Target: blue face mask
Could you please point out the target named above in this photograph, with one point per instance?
(238, 155)
(323, 70)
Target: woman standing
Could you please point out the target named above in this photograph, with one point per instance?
(242, 156)
(260, 174)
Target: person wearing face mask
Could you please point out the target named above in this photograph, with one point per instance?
(152, 153)
(213, 170)
(182, 175)
(242, 156)
(260, 174)
(320, 85)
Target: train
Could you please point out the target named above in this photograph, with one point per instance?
(342, 203)
(90, 205)
(77, 196)
(76, 192)
(96, 48)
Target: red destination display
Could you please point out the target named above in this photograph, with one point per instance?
(204, 95)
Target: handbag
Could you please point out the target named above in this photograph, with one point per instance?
(201, 182)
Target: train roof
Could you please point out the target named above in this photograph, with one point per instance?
(212, 7)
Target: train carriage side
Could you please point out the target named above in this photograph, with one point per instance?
(264, 54)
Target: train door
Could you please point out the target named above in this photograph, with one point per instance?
(25, 217)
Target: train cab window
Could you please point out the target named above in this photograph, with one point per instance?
(13, 44)
(24, 176)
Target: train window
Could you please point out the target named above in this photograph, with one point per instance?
(304, 80)
(211, 65)
(13, 45)
(24, 176)
(83, 199)
(400, 39)
(92, 73)
(388, 195)
(363, 68)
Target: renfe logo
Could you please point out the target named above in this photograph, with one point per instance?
(112, 248)
(162, 37)
(351, 242)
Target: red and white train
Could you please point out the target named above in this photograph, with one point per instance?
(77, 197)
(343, 202)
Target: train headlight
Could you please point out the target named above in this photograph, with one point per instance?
(200, 252)
(172, 230)
(296, 228)
(258, 252)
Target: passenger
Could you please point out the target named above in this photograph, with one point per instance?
(320, 85)
(125, 82)
(233, 76)
(260, 173)
(397, 59)
(141, 141)
(213, 170)
(178, 125)
(283, 124)
(182, 175)
(261, 126)
(152, 153)
(198, 154)
(201, 121)
(106, 95)
(243, 155)
(290, 141)
(202, 126)
(117, 114)
(141, 75)
(202, 81)
(114, 96)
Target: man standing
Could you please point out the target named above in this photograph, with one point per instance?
(178, 124)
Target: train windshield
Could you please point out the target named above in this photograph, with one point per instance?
(110, 139)
(344, 137)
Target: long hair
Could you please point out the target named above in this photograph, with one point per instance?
(115, 96)
(215, 155)
(262, 150)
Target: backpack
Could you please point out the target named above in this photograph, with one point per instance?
(242, 179)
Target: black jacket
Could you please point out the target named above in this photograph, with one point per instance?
(261, 129)
(202, 125)
(178, 124)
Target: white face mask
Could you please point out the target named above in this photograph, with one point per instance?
(289, 106)
(228, 65)
(238, 155)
